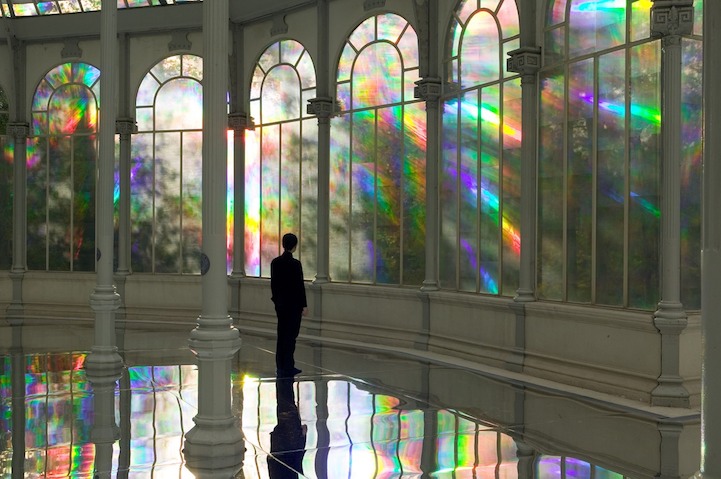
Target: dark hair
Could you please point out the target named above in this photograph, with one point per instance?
(289, 241)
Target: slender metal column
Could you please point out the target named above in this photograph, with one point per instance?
(18, 131)
(323, 107)
(239, 121)
(670, 19)
(104, 300)
(711, 246)
(216, 439)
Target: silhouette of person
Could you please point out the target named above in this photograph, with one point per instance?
(288, 295)
(287, 440)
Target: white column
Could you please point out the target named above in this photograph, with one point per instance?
(429, 90)
(711, 246)
(669, 21)
(18, 131)
(526, 61)
(323, 107)
(104, 300)
(216, 438)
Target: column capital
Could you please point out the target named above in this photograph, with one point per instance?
(18, 130)
(322, 107)
(239, 121)
(125, 126)
(524, 60)
(671, 17)
(428, 89)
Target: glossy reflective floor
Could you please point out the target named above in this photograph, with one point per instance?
(352, 413)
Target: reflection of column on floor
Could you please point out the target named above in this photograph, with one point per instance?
(430, 451)
(526, 460)
(323, 445)
(125, 411)
(17, 366)
(104, 431)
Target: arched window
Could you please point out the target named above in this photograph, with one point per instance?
(481, 151)
(599, 156)
(281, 159)
(166, 168)
(378, 150)
(62, 154)
(6, 186)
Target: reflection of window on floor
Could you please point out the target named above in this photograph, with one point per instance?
(558, 467)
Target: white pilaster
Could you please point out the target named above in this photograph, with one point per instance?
(711, 246)
(215, 441)
(670, 19)
(18, 131)
(104, 300)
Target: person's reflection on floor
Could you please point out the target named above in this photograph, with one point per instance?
(287, 440)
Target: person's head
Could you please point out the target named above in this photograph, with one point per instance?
(290, 241)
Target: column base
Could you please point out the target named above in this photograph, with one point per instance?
(214, 445)
(670, 319)
(429, 285)
(15, 312)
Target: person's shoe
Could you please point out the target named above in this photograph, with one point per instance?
(295, 371)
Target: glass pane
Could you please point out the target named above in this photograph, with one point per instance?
(290, 162)
(42, 96)
(377, 77)
(640, 15)
(167, 203)
(309, 198)
(345, 64)
(340, 197)
(306, 71)
(550, 186)
(179, 105)
(511, 177)
(490, 201)
(414, 194)
(579, 225)
(270, 197)
(72, 110)
(644, 151)
(448, 194)
(60, 203)
(508, 18)
(469, 192)
(364, 34)
(408, 45)
(84, 173)
(146, 93)
(611, 178)
(554, 50)
(192, 211)
(141, 202)
(480, 55)
(390, 27)
(556, 12)
(193, 67)
(595, 26)
(37, 161)
(167, 69)
(363, 194)
(465, 9)
(290, 51)
(270, 57)
(388, 195)
(692, 115)
(281, 99)
(252, 202)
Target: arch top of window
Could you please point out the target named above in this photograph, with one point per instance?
(166, 70)
(285, 52)
(504, 12)
(388, 28)
(67, 73)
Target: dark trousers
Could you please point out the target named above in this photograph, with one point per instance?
(288, 329)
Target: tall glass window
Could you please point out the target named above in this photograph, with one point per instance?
(599, 156)
(61, 168)
(481, 151)
(378, 146)
(281, 159)
(166, 168)
(6, 187)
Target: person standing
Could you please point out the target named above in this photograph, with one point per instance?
(288, 296)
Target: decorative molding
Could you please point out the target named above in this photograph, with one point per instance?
(71, 49)
(179, 41)
(322, 107)
(240, 121)
(428, 89)
(125, 126)
(371, 4)
(524, 60)
(279, 26)
(672, 18)
(18, 131)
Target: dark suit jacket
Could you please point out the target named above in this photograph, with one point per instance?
(286, 283)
